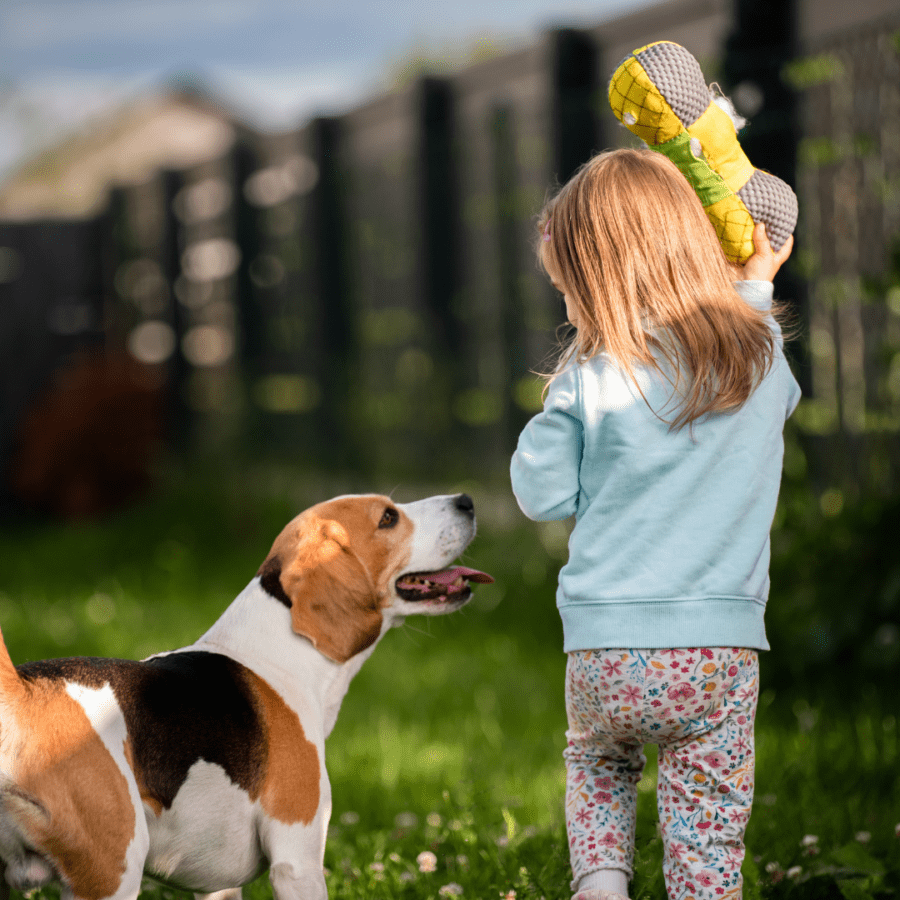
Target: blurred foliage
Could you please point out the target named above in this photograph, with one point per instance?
(834, 606)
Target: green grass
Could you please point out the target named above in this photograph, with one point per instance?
(449, 742)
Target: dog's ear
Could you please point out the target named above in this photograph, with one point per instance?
(332, 598)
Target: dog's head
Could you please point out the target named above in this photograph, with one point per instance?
(350, 567)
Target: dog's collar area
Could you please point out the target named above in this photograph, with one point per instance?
(446, 585)
(270, 580)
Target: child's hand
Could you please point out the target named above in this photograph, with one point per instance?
(764, 263)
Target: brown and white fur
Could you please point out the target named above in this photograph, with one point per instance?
(204, 766)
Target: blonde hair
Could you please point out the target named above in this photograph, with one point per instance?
(632, 246)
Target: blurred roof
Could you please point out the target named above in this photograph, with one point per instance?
(175, 128)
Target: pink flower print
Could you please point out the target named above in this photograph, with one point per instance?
(630, 694)
(612, 668)
(594, 859)
(603, 797)
(732, 671)
(716, 759)
(705, 651)
(605, 783)
(681, 692)
(707, 879)
(583, 817)
(608, 839)
(676, 850)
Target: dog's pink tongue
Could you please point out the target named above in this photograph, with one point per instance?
(450, 575)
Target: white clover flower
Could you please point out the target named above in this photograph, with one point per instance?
(426, 861)
(434, 819)
(509, 895)
(451, 890)
(809, 840)
(773, 867)
(406, 820)
(863, 837)
(349, 818)
(897, 829)
(376, 867)
(795, 872)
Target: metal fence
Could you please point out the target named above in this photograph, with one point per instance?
(363, 295)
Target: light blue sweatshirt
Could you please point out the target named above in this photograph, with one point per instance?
(671, 540)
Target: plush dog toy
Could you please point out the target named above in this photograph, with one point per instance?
(659, 93)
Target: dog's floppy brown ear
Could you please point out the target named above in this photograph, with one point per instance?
(335, 615)
(331, 596)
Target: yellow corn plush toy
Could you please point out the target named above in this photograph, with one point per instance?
(659, 93)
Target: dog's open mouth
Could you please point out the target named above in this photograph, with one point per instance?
(444, 586)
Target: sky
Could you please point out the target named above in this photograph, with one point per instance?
(275, 62)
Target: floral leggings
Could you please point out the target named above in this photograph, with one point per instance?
(698, 706)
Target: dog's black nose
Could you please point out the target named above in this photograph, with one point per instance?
(463, 502)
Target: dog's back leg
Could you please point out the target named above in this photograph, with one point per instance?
(227, 894)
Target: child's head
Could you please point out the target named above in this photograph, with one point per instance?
(628, 242)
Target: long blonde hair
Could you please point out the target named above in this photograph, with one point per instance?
(630, 242)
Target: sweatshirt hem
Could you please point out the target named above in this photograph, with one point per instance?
(664, 623)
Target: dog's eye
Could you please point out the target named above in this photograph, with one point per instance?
(390, 518)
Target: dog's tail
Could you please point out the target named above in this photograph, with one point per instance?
(11, 685)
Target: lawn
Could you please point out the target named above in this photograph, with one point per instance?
(446, 760)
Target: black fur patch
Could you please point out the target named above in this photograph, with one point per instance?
(178, 709)
(270, 579)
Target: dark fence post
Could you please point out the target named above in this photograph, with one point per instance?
(171, 248)
(763, 41)
(515, 343)
(576, 123)
(339, 349)
(117, 247)
(248, 236)
(439, 193)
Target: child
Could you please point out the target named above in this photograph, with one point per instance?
(662, 434)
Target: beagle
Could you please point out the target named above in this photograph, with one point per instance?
(204, 766)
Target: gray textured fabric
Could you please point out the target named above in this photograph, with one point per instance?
(679, 78)
(768, 199)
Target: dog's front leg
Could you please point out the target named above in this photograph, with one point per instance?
(289, 884)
